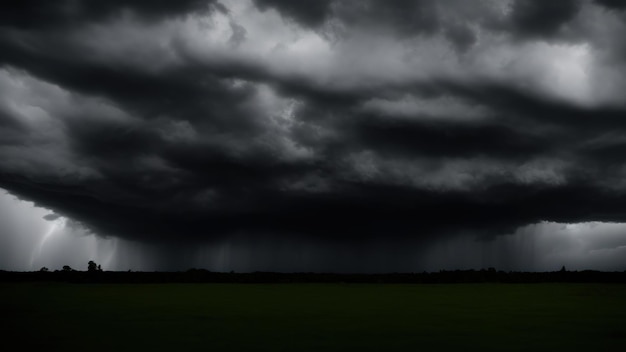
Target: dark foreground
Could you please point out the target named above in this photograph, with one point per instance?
(204, 276)
(313, 317)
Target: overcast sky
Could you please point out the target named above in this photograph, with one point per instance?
(352, 135)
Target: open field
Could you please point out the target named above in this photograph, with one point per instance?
(314, 317)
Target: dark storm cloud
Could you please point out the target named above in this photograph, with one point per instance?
(528, 19)
(612, 4)
(309, 13)
(407, 17)
(447, 140)
(151, 92)
(461, 35)
(456, 20)
(160, 131)
(542, 18)
(41, 14)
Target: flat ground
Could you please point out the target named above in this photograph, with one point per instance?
(313, 317)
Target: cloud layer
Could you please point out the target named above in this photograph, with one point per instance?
(341, 120)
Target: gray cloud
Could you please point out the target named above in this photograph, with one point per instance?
(51, 217)
(369, 120)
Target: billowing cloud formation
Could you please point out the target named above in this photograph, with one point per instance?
(197, 120)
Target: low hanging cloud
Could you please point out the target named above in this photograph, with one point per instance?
(337, 120)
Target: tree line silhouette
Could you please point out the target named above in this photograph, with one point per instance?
(95, 273)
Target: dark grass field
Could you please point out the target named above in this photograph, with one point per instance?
(313, 317)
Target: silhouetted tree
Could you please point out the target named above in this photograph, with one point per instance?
(67, 268)
(92, 266)
(43, 269)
